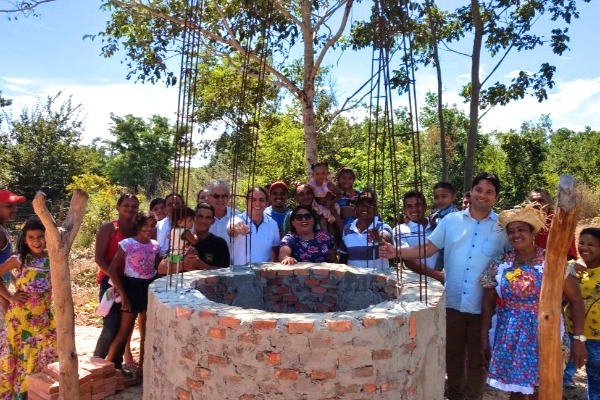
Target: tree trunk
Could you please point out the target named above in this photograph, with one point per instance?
(475, 90)
(440, 110)
(550, 312)
(59, 241)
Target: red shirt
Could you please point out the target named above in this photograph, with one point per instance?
(541, 239)
(111, 251)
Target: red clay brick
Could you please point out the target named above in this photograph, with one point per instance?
(370, 387)
(194, 384)
(290, 297)
(338, 274)
(386, 387)
(339, 326)
(285, 272)
(212, 279)
(250, 337)
(410, 346)
(202, 373)
(275, 281)
(321, 343)
(217, 333)
(321, 375)
(321, 271)
(271, 272)
(301, 272)
(363, 372)
(207, 314)
(286, 374)
(399, 320)
(413, 327)
(261, 325)
(282, 290)
(214, 359)
(299, 327)
(183, 394)
(382, 354)
(380, 278)
(183, 312)
(274, 358)
(322, 308)
(229, 322)
(264, 273)
(311, 281)
(369, 322)
(229, 295)
(319, 290)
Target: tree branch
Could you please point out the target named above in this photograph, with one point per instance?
(22, 6)
(332, 40)
(286, 12)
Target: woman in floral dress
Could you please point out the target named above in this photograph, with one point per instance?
(304, 243)
(28, 339)
(512, 290)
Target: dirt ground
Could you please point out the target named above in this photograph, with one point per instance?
(88, 324)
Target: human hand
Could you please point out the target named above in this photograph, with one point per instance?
(579, 353)
(125, 305)
(289, 260)
(238, 228)
(18, 297)
(484, 350)
(190, 262)
(387, 250)
(373, 235)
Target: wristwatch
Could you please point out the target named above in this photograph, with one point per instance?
(581, 338)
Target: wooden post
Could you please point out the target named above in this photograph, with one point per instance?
(550, 311)
(58, 242)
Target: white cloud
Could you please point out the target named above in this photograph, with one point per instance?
(98, 101)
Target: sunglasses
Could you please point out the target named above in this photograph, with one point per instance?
(300, 217)
(219, 196)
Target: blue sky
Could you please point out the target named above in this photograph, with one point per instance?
(44, 55)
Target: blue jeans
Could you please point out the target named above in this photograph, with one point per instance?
(110, 328)
(592, 368)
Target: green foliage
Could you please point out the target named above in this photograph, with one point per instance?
(100, 206)
(141, 153)
(41, 147)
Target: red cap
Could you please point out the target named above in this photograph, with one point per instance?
(6, 196)
(277, 184)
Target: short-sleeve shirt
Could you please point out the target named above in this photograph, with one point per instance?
(219, 227)
(257, 245)
(214, 251)
(413, 234)
(362, 252)
(314, 250)
(591, 295)
(140, 260)
(469, 247)
(279, 217)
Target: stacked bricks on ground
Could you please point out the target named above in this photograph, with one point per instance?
(308, 331)
(97, 380)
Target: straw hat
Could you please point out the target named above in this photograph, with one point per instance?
(524, 213)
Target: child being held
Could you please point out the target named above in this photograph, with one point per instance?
(326, 192)
(181, 237)
(444, 196)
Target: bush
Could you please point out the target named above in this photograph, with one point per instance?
(590, 202)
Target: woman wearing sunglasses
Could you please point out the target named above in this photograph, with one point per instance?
(304, 243)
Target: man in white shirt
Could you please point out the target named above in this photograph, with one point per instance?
(415, 232)
(219, 196)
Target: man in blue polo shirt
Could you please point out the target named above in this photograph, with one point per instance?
(471, 239)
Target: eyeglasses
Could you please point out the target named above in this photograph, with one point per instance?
(219, 196)
(305, 216)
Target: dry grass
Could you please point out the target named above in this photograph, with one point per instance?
(85, 289)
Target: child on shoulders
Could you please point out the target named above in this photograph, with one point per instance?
(325, 191)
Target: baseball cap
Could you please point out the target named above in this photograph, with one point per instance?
(6, 196)
(277, 184)
(367, 195)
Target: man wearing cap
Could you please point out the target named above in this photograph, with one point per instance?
(278, 210)
(8, 212)
(361, 238)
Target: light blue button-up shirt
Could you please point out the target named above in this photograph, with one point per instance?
(469, 246)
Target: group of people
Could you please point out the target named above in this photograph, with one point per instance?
(490, 264)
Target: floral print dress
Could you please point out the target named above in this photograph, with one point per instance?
(513, 337)
(314, 250)
(28, 339)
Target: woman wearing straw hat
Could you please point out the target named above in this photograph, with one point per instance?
(512, 290)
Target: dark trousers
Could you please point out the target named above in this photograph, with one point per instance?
(463, 336)
(110, 328)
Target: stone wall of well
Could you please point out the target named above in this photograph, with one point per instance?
(393, 348)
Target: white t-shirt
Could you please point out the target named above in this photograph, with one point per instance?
(257, 245)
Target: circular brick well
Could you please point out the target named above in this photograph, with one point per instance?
(308, 331)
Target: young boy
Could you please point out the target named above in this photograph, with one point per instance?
(182, 237)
(443, 198)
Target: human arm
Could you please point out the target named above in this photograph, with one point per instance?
(102, 240)
(333, 257)
(488, 308)
(285, 255)
(572, 293)
(10, 264)
(115, 277)
(337, 192)
(388, 250)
